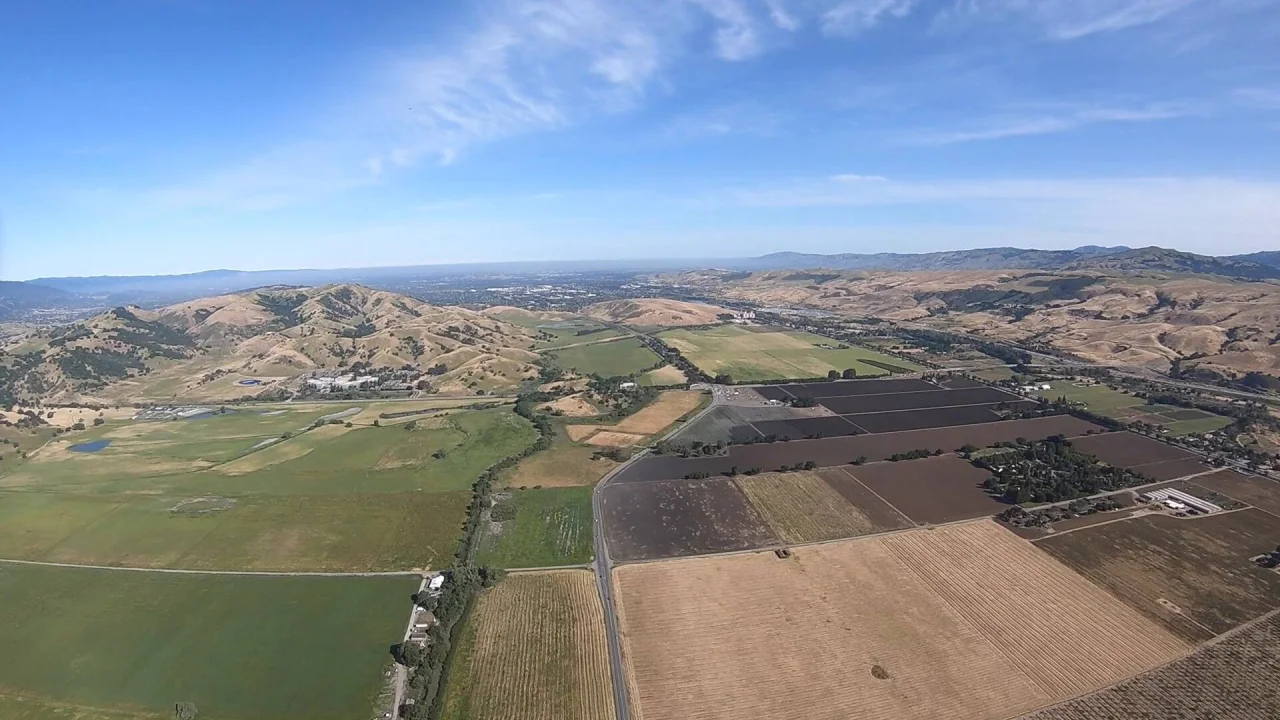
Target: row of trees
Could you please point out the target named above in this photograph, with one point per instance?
(428, 666)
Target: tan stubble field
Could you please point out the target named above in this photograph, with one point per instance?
(967, 621)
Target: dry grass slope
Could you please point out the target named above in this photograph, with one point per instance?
(540, 651)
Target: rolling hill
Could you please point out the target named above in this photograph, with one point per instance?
(655, 312)
(1213, 325)
(199, 349)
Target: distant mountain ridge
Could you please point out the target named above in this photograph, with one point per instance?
(161, 289)
(1259, 266)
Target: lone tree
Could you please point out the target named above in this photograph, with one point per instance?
(849, 374)
(185, 711)
(833, 375)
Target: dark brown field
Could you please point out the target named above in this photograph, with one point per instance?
(1129, 450)
(930, 491)
(856, 404)
(1199, 567)
(1171, 469)
(904, 420)
(884, 516)
(829, 452)
(802, 428)
(1230, 680)
(643, 521)
(1259, 492)
(842, 389)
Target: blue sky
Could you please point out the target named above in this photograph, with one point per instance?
(154, 136)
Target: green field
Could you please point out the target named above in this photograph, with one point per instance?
(754, 354)
(564, 463)
(606, 359)
(132, 644)
(333, 498)
(1096, 398)
(1127, 408)
(552, 526)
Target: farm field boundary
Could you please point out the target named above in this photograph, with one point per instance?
(534, 649)
(770, 637)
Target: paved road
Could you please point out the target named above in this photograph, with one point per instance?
(398, 573)
(604, 575)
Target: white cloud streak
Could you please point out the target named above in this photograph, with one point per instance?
(854, 17)
(1065, 19)
(1047, 122)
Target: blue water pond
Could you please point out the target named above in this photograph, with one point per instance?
(90, 447)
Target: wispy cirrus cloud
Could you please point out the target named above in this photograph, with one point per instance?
(1047, 121)
(853, 17)
(1064, 19)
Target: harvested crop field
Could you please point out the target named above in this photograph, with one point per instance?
(1171, 469)
(801, 508)
(1232, 679)
(883, 516)
(681, 517)
(931, 490)
(1259, 492)
(829, 452)
(1193, 574)
(572, 406)
(1130, 450)
(608, 438)
(874, 629)
(534, 649)
(661, 413)
(665, 375)
(761, 354)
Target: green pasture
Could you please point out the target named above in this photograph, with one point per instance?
(1127, 408)
(108, 645)
(316, 533)
(552, 526)
(753, 354)
(1096, 398)
(606, 359)
(333, 498)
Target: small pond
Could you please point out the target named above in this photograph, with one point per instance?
(90, 447)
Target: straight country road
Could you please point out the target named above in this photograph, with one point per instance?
(604, 574)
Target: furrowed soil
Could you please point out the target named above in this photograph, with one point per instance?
(1232, 679)
(1069, 636)
(874, 628)
(1193, 574)
(931, 490)
(1259, 492)
(681, 517)
(535, 650)
(801, 508)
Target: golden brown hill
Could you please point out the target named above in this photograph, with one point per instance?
(655, 312)
(197, 349)
(1215, 324)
